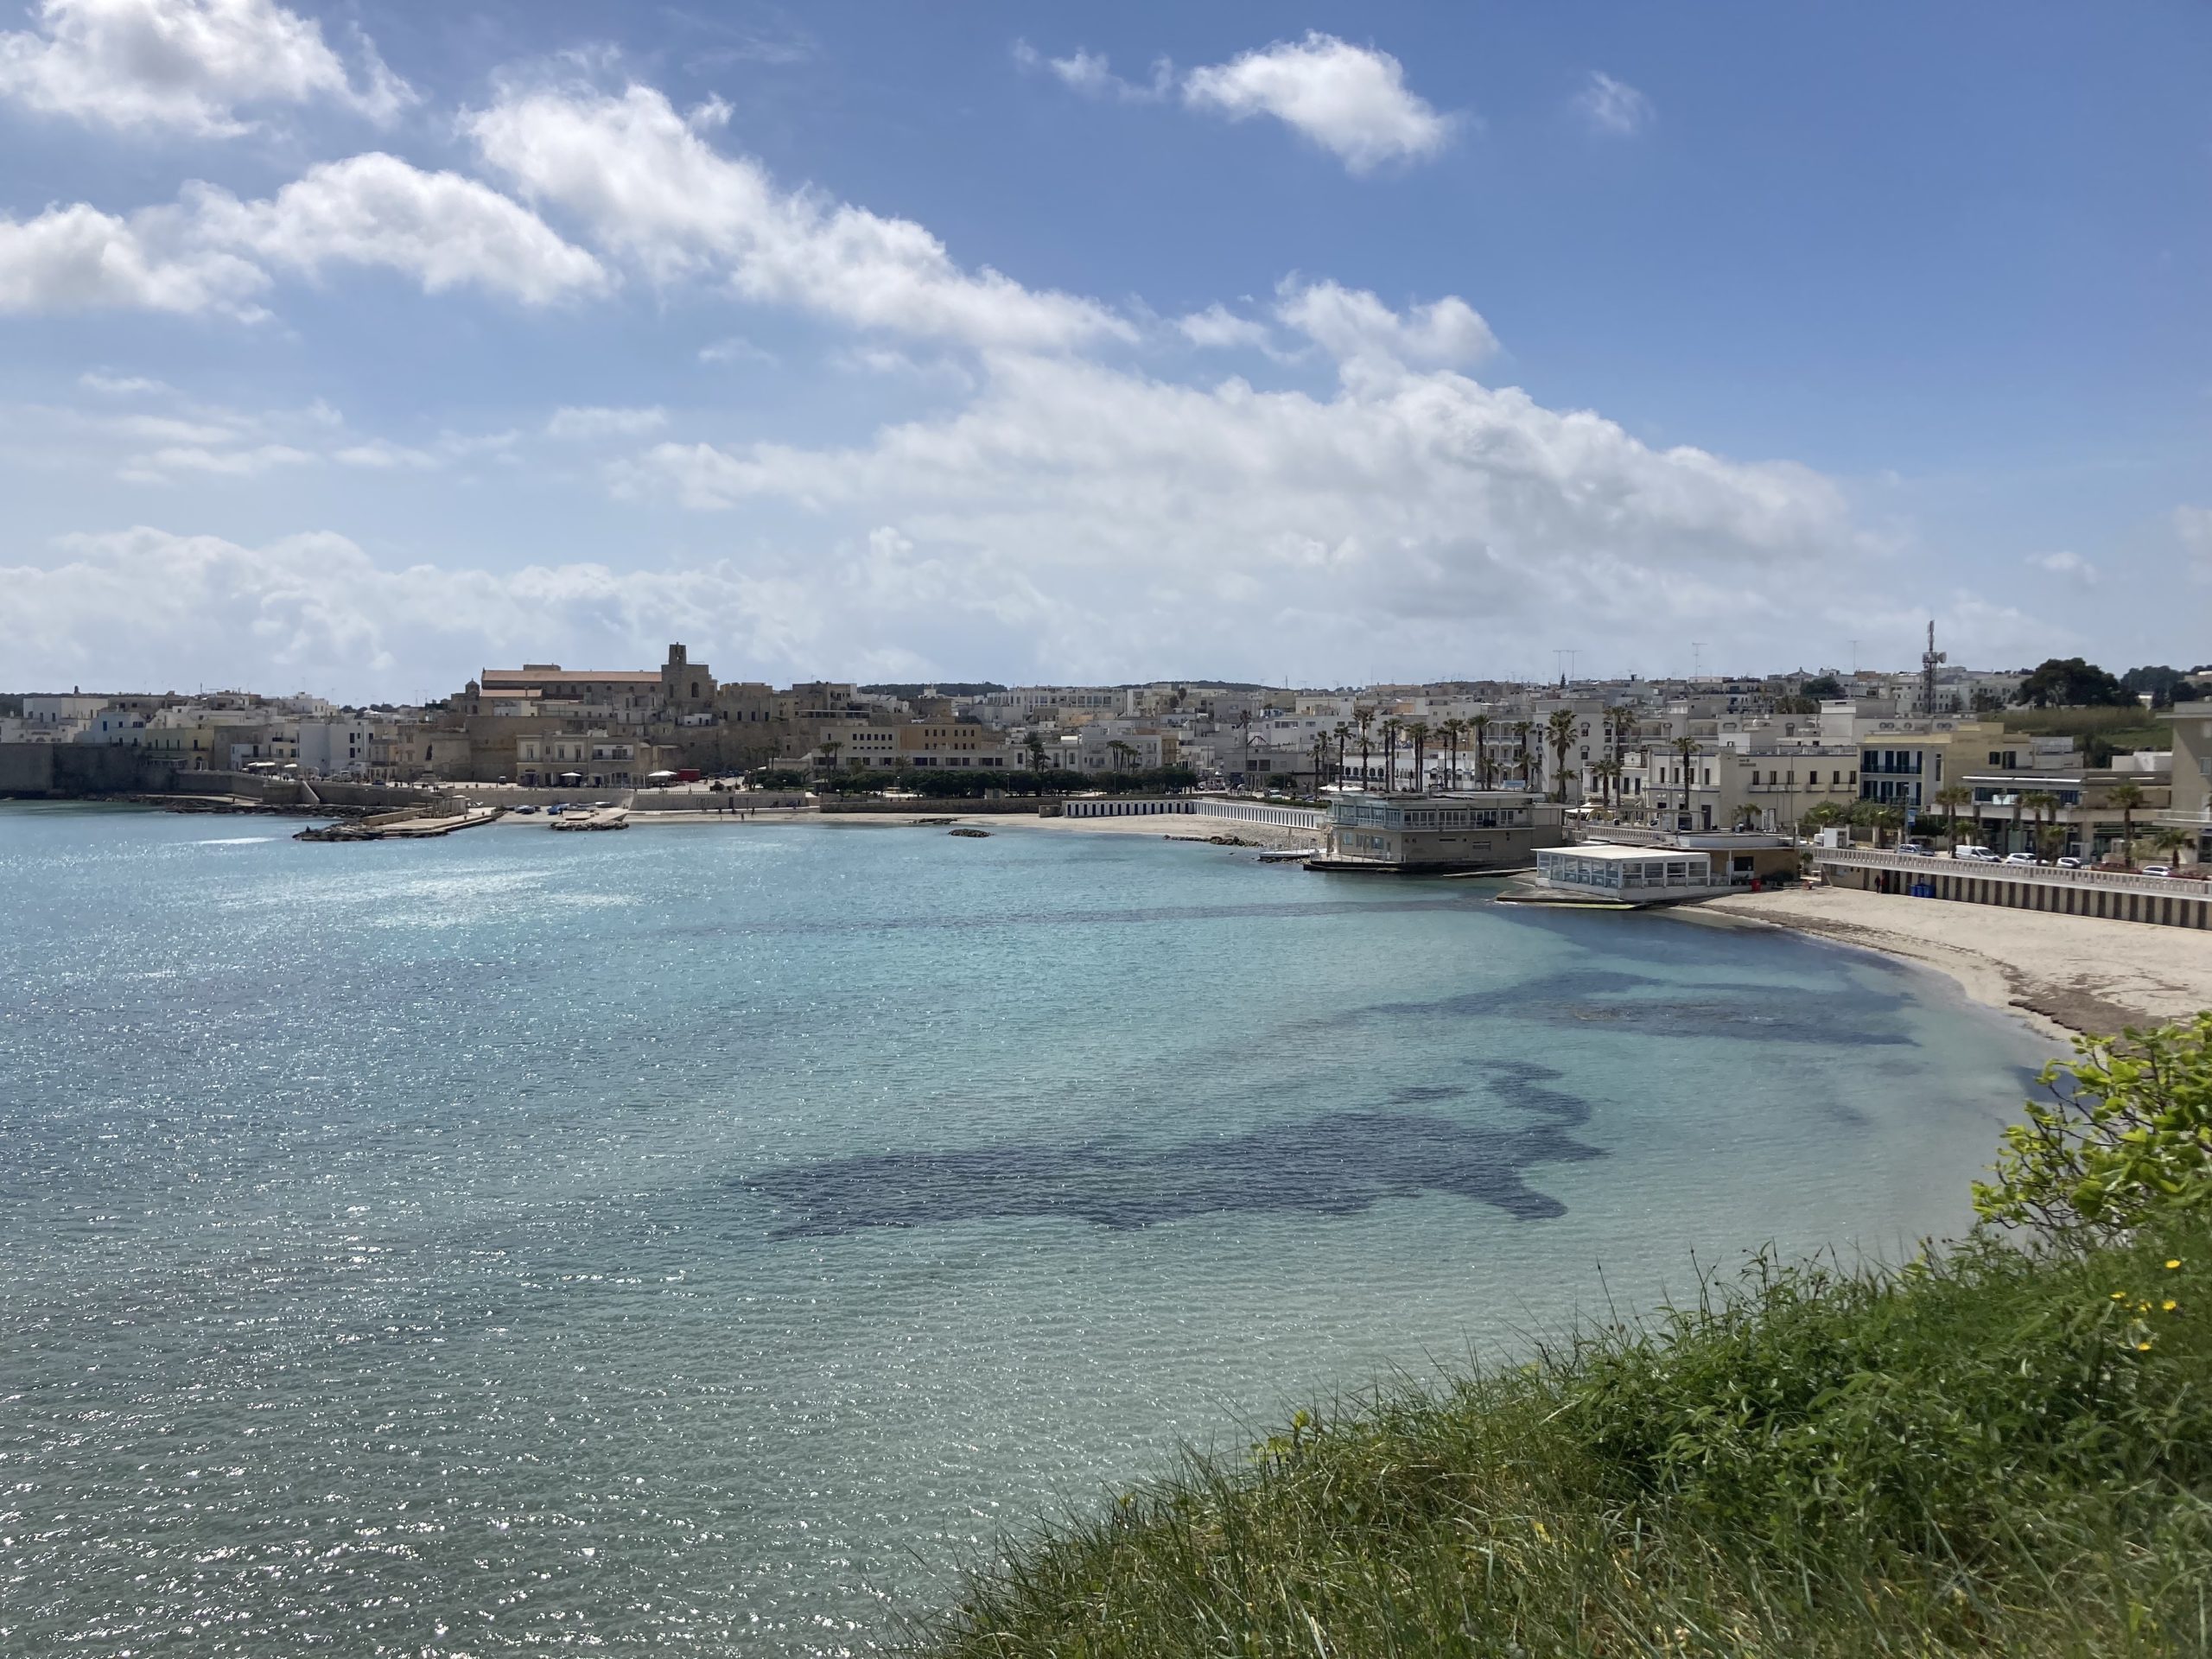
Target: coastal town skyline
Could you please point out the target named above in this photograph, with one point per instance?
(1382, 342)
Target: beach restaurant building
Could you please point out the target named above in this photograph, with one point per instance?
(1684, 866)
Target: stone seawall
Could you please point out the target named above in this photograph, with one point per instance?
(75, 771)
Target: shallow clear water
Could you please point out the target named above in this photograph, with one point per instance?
(700, 1239)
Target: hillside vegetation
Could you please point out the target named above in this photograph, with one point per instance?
(2120, 730)
(2003, 1448)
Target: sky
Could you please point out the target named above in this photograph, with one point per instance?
(354, 348)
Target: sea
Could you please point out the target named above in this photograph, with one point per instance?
(715, 1239)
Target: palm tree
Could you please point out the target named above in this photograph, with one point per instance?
(1123, 753)
(1607, 774)
(1454, 729)
(1341, 732)
(1320, 760)
(1560, 729)
(1617, 716)
(2039, 802)
(1951, 798)
(1522, 729)
(1034, 742)
(828, 750)
(2127, 796)
(1685, 748)
(1417, 731)
(1362, 717)
(2173, 840)
(1480, 725)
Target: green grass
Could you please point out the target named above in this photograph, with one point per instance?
(1968, 1456)
(2123, 729)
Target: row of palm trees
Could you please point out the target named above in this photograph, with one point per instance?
(1561, 730)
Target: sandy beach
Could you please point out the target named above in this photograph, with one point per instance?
(2061, 973)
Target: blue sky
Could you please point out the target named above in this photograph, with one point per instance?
(354, 348)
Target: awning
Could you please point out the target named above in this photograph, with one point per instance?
(660, 774)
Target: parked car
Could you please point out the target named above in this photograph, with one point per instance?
(1970, 854)
(2157, 869)
(524, 810)
(2021, 858)
(2070, 863)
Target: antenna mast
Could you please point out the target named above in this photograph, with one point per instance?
(1929, 659)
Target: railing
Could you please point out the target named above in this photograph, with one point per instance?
(1110, 806)
(1939, 864)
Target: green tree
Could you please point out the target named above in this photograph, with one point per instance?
(1685, 749)
(2173, 840)
(1951, 798)
(1479, 724)
(1559, 728)
(2127, 796)
(1417, 734)
(2039, 802)
(1821, 687)
(1391, 727)
(2070, 682)
(2127, 1132)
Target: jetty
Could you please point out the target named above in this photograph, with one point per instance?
(410, 823)
(605, 817)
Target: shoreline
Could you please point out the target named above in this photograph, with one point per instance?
(2061, 975)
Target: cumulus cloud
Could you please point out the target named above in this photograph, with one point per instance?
(77, 258)
(1614, 108)
(1352, 100)
(1092, 74)
(1415, 511)
(209, 253)
(1218, 328)
(651, 189)
(600, 423)
(152, 607)
(2069, 564)
(188, 66)
(1354, 326)
(442, 229)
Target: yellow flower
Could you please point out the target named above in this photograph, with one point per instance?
(2172, 1263)
(2169, 1305)
(2142, 1347)
(2119, 1295)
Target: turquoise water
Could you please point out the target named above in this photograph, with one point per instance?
(700, 1240)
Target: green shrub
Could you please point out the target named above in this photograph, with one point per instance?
(2126, 1133)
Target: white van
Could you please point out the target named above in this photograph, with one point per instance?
(1974, 855)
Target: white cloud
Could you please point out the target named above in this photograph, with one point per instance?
(1218, 328)
(2066, 563)
(162, 465)
(77, 258)
(1614, 108)
(650, 187)
(736, 349)
(185, 65)
(2194, 526)
(1352, 100)
(440, 228)
(1416, 515)
(1092, 74)
(381, 455)
(590, 424)
(151, 608)
(1355, 327)
(125, 386)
